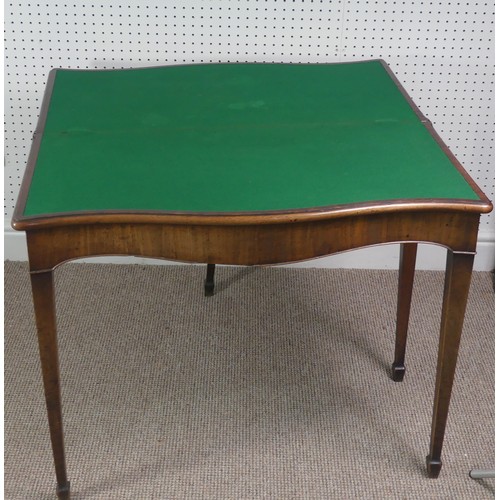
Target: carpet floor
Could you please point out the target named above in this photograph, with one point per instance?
(276, 387)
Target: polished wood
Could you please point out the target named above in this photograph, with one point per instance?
(408, 257)
(22, 223)
(252, 244)
(42, 285)
(456, 289)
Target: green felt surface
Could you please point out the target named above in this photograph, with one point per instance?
(234, 137)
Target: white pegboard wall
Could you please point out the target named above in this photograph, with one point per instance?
(442, 52)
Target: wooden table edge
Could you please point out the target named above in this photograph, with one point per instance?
(26, 223)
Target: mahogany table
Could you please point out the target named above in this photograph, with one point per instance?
(243, 164)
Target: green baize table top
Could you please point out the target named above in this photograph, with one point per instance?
(234, 138)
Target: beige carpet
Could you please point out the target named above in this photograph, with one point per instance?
(275, 388)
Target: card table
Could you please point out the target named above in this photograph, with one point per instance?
(244, 164)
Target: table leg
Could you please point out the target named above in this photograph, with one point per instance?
(456, 290)
(407, 259)
(43, 298)
(209, 281)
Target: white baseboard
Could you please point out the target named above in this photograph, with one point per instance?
(430, 257)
